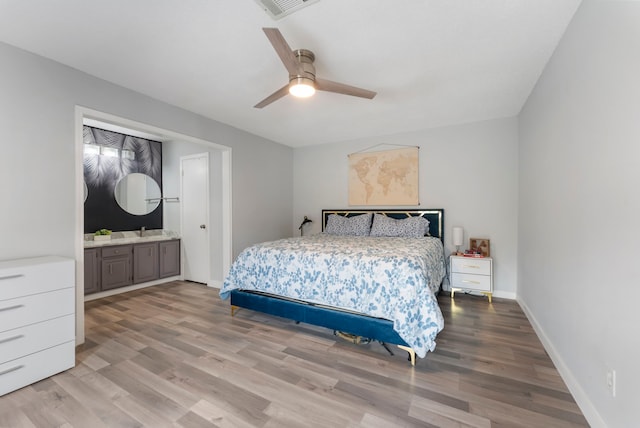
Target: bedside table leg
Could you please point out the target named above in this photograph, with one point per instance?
(488, 295)
(452, 292)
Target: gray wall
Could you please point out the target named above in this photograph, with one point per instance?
(37, 168)
(469, 170)
(579, 205)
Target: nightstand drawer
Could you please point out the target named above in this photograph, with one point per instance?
(472, 282)
(474, 266)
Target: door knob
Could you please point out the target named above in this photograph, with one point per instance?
(202, 226)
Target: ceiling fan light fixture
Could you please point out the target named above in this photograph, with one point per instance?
(302, 73)
(301, 87)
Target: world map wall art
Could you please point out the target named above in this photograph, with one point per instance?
(388, 177)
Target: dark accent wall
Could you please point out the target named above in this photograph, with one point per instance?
(102, 173)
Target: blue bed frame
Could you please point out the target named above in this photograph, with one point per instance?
(378, 329)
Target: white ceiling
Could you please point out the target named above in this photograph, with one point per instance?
(432, 62)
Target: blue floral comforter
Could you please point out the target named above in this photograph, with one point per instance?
(391, 278)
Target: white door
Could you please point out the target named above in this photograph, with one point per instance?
(194, 203)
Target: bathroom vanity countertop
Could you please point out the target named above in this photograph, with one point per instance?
(123, 238)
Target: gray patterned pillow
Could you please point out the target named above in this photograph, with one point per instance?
(358, 225)
(410, 227)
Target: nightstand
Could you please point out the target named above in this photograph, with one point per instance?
(471, 274)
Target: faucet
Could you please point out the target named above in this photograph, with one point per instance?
(142, 229)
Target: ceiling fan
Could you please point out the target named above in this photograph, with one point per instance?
(302, 74)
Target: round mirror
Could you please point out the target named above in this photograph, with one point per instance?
(138, 194)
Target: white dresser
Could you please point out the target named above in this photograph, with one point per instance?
(472, 274)
(37, 320)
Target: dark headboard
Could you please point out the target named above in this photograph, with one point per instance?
(434, 215)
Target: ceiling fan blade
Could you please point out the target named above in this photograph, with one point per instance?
(273, 97)
(341, 88)
(283, 50)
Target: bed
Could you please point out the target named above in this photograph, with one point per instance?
(377, 281)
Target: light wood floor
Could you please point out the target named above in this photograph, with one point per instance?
(171, 355)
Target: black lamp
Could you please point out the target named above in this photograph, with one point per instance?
(305, 221)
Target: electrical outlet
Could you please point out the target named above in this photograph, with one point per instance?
(611, 382)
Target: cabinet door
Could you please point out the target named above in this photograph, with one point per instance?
(169, 258)
(145, 262)
(116, 271)
(91, 270)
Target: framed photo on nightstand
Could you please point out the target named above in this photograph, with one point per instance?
(480, 246)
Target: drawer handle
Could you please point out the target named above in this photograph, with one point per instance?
(9, 308)
(472, 266)
(11, 276)
(11, 339)
(466, 281)
(12, 369)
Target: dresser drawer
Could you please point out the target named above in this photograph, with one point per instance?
(27, 310)
(471, 282)
(27, 340)
(471, 265)
(118, 250)
(30, 276)
(34, 367)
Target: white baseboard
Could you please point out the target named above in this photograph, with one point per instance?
(586, 406)
(504, 294)
(214, 283)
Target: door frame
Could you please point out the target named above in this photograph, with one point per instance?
(208, 214)
(82, 113)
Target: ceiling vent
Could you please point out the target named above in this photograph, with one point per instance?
(279, 8)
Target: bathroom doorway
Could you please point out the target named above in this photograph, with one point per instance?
(221, 212)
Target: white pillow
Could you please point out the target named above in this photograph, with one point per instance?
(410, 227)
(358, 225)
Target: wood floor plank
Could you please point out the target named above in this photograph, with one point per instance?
(219, 416)
(433, 411)
(172, 355)
(144, 414)
(192, 420)
(100, 383)
(11, 417)
(40, 414)
(70, 409)
(94, 400)
(246, 404)
(297, 400)
(158, 384)
(374, 421)
(162, 405)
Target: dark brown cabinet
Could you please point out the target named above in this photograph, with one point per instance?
(115, 266)
(169, 258)
(91, 270)
(145, 262)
